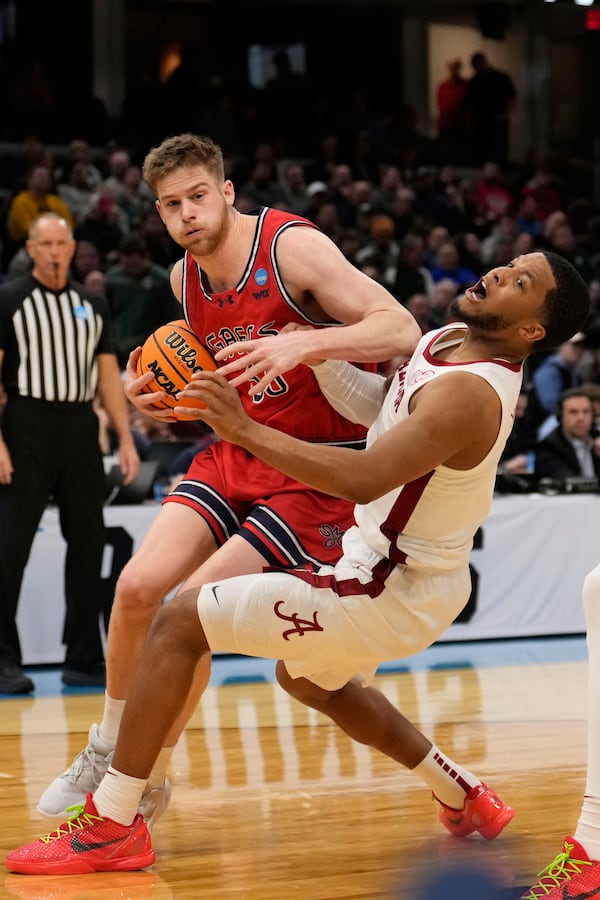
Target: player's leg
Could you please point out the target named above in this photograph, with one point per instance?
(176, 540)
(367, 716)
(579, 860)
(108, 833)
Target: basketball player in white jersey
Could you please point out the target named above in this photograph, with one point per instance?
(422, 487)
(575, 871)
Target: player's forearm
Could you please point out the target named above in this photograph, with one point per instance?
(382, 335)
(328, 469)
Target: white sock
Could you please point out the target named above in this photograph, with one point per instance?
(111, 720)
(450, 783)
(159, 770)
(118, 796)
(588, 826)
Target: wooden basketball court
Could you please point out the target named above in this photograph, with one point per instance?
(271, 801)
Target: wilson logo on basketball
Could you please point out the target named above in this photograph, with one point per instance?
(188, 355)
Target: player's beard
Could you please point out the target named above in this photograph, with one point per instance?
(484, 321)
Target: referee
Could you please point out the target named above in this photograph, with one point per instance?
(56, 352)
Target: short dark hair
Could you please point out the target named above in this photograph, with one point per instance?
(568, 394)
(566, 306)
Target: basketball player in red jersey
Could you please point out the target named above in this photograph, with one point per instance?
(425, 484)
(243, 279)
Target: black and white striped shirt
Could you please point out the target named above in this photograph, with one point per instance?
(51, 340)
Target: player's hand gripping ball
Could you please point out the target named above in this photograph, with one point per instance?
(173, 353)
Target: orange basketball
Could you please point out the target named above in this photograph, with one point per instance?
(173, 353)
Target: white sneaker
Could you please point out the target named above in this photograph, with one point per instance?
(154, 802)
(84, 774)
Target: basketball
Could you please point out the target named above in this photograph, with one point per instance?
(173, 353)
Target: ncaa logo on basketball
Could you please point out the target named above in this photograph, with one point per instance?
(261, 277)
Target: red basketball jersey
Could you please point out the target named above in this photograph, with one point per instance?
(258, 306)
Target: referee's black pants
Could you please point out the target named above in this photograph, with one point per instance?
(56, 457)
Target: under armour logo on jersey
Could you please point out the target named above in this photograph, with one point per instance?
(333, 536)
(301, 626)
(221, 301)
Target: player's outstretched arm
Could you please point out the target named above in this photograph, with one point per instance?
(368, 324)
(435, 433)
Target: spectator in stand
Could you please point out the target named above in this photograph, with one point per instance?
(470, 252)
(557, 373)
(516, 456)
(436, 236)
(450, 209)
(340, 192)
(95, 283)
(363, 160)
(448, 265)
(293, 183)
(383, 244)
(420, 306)
(328, 220)
(384, 193)
(562, 240)
(570, 450)
(86, 259)
(82, 152)
(524, 243)
(327, 157)
(349, 241)
(451, 122)
(262, 186)
(139, 296)
(105, 225)
(489, 101)
(404, 214)
(162, 249)
(492, 195)
(443, 293)
(504, 251)
(505, 227)
(544, 188)
(134, 198)
(38, 196)
(411, 276)
(527, 216)
(317, 193)
(18, 265)
(118, 163)
(361, 193)
(74, 190)
(552, 221)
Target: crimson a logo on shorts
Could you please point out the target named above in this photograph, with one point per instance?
(301, 626)
(332, 535)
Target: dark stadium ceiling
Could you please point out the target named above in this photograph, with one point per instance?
(528, 11)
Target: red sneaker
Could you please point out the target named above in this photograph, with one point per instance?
(483, 812)
(87, 842)
(570, 875)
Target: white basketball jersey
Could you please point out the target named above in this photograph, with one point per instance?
(431, 522)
